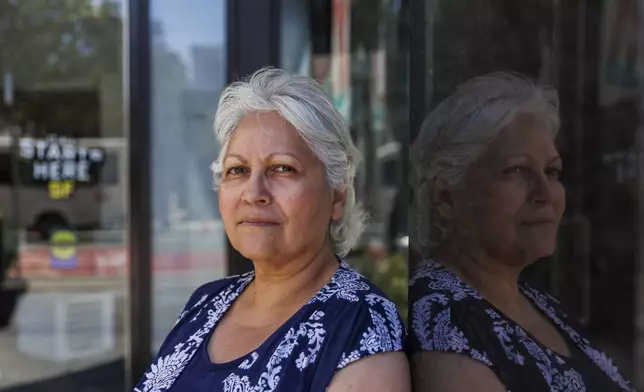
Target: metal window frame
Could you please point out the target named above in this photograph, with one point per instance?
(253, 41)
(419, 92)
(248, 28)
(138, 85)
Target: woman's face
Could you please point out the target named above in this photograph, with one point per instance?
(274, 199)
(513, 201)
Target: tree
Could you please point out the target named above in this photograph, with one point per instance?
(58, 52)
(53, 41)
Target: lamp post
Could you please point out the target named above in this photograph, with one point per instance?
(11, 287)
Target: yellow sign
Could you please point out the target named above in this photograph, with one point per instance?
(63, 245)
(61, 189)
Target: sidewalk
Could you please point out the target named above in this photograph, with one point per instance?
(18, 368)
(57, 317)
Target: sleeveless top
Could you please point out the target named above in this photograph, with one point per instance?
(346, 320)
(447, 315)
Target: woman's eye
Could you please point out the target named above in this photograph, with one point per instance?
(553, 172)
(284, 169)
(235, 171)
(515, 170)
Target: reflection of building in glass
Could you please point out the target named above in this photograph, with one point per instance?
(201, 147)
(169, 80)
(295, 33)
(355, 49)
(209, 67)
(355, 52)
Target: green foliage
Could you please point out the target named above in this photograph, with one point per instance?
(391, 275)
(61, 55)
(46, 41)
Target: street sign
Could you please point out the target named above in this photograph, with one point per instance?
(63, 251)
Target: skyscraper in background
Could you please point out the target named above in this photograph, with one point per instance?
(209, 67)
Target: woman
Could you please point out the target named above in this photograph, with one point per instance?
(490, 202)
(303, 320)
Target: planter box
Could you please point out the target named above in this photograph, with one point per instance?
(64, 327)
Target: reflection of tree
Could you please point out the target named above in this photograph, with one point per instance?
(169, 81)
(380, 122)
(58, 52)
(52, 40)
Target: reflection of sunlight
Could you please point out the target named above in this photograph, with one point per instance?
(403, 242)
(387, 150)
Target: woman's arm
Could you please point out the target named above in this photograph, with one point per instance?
(447, 372)
(384, 372)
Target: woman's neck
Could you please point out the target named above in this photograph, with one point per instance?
(293, 281)
(493, 279)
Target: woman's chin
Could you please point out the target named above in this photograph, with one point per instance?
(534, 249)
(542, 251)
(257, 253)
(256, 246)
(524, 256)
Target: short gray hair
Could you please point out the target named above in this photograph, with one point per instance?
(459, 131)
(302, 102)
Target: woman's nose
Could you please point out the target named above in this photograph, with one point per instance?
(256, 191)
(542, 189)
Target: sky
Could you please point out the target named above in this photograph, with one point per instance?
(193, 22)
(188, 23)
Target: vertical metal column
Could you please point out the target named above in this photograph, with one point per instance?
(638, 309)
(419, 78)
(138, 109)
(253, 42)
(418, 67)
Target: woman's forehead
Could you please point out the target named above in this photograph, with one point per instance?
(267, 133)
(523, 136)
(266, 128)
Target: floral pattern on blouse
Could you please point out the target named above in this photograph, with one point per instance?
(447, 315)
(348, 319)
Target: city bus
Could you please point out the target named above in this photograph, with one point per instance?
(52, 183)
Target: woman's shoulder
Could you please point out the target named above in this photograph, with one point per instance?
(351, 291)
(447, 315)
(431, 280)
(358, 318)
(214, 288)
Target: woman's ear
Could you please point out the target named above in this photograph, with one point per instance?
(441, 198)
(339, 201)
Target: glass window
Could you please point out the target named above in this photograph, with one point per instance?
(62, 229)
(591, 53)
(188, 74)
(358, 51)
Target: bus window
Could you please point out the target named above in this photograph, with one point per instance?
(6, 168)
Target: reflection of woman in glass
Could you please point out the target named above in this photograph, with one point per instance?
(490, 202)
(303, 320)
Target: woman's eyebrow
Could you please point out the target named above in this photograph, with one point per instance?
(236, 156)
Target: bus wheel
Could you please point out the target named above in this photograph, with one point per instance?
(47, 223)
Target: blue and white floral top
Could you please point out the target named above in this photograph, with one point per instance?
(346, 320)
(448, 315)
